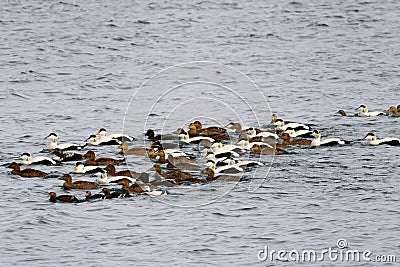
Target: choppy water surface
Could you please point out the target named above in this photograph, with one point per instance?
(72, 66)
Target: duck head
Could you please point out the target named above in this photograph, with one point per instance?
(370, 136)
(316, 134)
(363, 108)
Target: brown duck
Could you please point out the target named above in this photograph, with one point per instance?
(223, 177)
(178, 176)
(342, 112)
(267, 151)
(192, 180)
(68, 184)
(138, 151)
(209, 130)
(91, 160)
(173, 160)
(28, 173)
(394, 111)
(62, 198)
(133, 188)
(217, 133)
(236, 127)
(172, 174)
(287, 140)
(89, 196)
(275, 118)
(112, 172)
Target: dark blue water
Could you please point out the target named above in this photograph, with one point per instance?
(74, 66)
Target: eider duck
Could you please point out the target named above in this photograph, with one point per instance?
(95, 141)
(216, 133)
(166, 158)
(245, 136)
(134, 188)
(27, 173)
(91, 160)
(219, 161)
(110, 168)
(253, 132)
(110, 195)
(81, 168)
(365, 113)
(62, 156)
(281, 126)
(210, 154)
(326, 142)
(275, 118)
(63, 198)
(394, 111)
(373, 141)
(176, 153)
(163, 182)
(344, 114)
(299, 134)
(257, 149)
(236, 127)
(103, 178)
(245, 163)
(161, 157)
(28, 160)
(150, 134)
(220, 148)
(89, 196)
(138, 151)
(211, 176)
(68, 184)
(176, 175)
(121, 137)
(209, 131)
(154, 192)
(183, 166)
(190, 180)
(248, 145)
(66, 146)
(233, 162)
(230, 168)
(287, 140)
(194, 140)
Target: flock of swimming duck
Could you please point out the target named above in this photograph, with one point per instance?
(219, 156)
